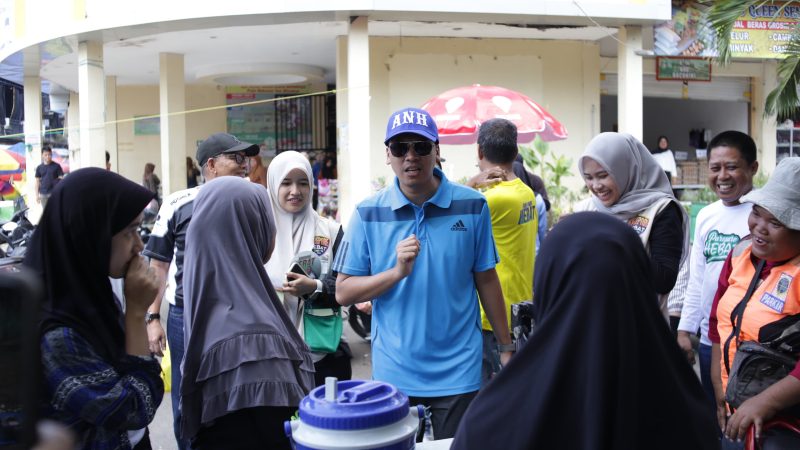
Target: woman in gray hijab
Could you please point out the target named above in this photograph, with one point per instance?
(246, 368)
(627, 183)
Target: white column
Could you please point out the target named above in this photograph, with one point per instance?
(342, 144)
(111, 122)
(32, 127)
(629, 97)
(172, 99)
(92, 89)
(355, 134)
(763, 129)
(72, 123)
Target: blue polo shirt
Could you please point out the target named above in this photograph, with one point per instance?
(426, 329)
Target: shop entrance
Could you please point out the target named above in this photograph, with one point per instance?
(689, 123)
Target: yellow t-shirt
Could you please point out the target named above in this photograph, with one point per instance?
(512, 205)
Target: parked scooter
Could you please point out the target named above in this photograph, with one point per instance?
(15, 234)
(360, 322)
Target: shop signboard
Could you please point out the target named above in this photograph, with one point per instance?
(763, 31)
(251, 111)
(683, 68)
(146, 126)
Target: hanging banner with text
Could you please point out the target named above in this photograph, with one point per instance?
(255, 120)
(761, 32)
(683, 68)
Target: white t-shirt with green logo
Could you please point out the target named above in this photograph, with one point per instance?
(717, 230)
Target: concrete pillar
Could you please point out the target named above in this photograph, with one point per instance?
(172, 101)
(92, 89)
(591, 83)
(630, 103)
(111, 122)
(763, 129)
(342, 144)
(72, 124)
(354, 134)
(32, 127)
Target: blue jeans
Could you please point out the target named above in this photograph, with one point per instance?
(704, 357)
(176, 348)
(727, 444)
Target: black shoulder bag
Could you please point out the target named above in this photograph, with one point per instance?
(756, 366)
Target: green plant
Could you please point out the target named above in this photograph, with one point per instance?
(760, 180)
(552, 168)
(378, 183)
(702, 195)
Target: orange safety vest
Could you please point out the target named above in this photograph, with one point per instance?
(774, 298)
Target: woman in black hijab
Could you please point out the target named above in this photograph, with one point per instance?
(100, 379)
(600, 371)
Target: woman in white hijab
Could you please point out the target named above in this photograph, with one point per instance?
(627, 183)
(304, 236)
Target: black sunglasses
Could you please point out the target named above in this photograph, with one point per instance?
(238, 157)
(421, 148)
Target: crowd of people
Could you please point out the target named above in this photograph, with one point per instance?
(256, 280)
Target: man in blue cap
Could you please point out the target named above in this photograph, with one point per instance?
(426, 329)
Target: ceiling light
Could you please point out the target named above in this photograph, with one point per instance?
(259, 74)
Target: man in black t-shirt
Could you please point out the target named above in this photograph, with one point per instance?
(47, 175)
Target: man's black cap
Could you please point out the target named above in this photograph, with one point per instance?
(220, 143)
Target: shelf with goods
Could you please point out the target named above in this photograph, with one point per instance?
(692, 174)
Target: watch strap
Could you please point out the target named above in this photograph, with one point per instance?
(512, 347)
(149, 317)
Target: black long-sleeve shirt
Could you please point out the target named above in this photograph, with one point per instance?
(666, 245)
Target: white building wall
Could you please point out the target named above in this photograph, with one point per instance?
(137, 150)
(24, 26)
(408, 71)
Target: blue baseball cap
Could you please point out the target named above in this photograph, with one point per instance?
(412, 120)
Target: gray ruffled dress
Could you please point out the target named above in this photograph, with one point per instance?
(242, 351)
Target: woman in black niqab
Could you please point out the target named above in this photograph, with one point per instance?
(601, 370)
(71, 250)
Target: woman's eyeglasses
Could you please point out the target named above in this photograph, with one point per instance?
(421, 148)
(240, 158)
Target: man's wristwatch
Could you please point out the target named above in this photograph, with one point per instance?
(506, 347)
(149, 317)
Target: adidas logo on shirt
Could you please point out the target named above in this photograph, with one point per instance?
(458, 226)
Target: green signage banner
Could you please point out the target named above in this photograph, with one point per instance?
(683, 68)
(146, 126)
(763, 31)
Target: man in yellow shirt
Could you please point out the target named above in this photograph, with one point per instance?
(512, 206)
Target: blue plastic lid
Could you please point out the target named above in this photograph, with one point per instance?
(359, 404)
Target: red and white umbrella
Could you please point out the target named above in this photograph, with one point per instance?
(459, 113)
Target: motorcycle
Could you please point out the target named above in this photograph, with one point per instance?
(360, 322)
(15, 234)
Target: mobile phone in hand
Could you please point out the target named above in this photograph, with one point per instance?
(298, 270)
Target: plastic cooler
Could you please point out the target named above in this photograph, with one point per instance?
(355, 414)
